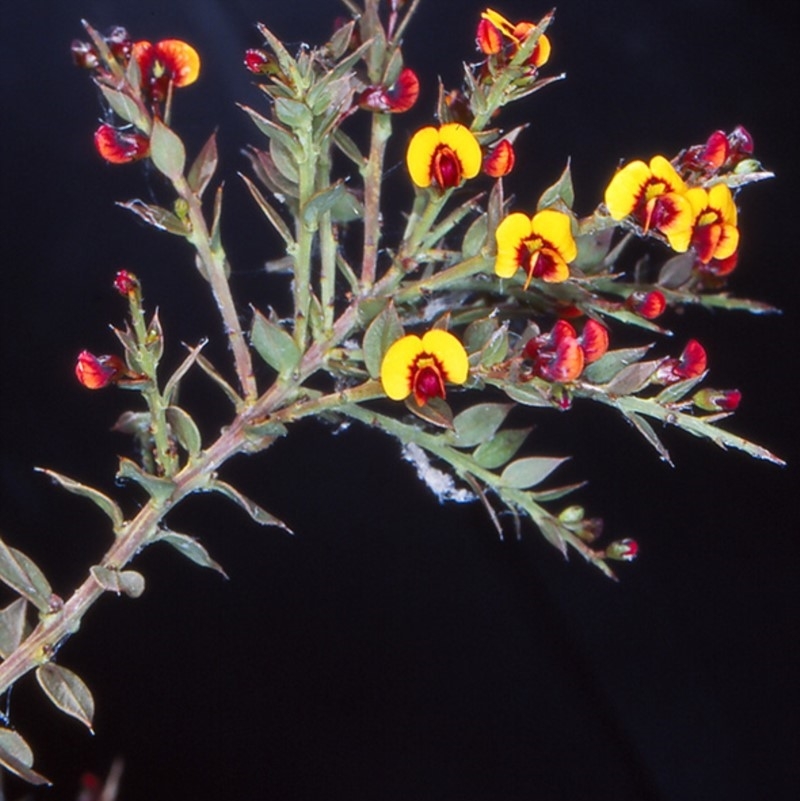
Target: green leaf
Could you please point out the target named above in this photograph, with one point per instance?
(270, 212)
(320, 202)
(275, 346)
(561, 193)
(160, 218)
(478, 334)
(21, 574)
(436, 412)
(204, 166)
(159, 489)
(500, 448)
(605, 368)
(385, 329)
(293, 113)
(529, 472)
(633, 378)
(16, 756)
(67, 691)
(185, 430)
(527, 394)
(496, 349)
(191, 549)
(167, 151)
(674, 392)
(647, 431)
(128, 582)
(125, 107)
(287, 64)
(479, 423)
(261, 516)
(108, 505)
(12, 626)
(340, 40)
(349, 148)
(475, 237)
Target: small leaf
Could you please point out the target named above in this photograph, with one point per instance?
(496, 349)
(21, 574)
(185, 430)
(631, 379)
(67, 691)
(16, 756)
(293, 113)
(529, 472)
(646, 430)
(436, 412)
(12, 626)
(385, 329)
(261, 516)
(478, 334)
(275, 346)
(171, 387)
(125, 107)
(320, 202)
(340, 40)
(159, 489)
(108, 505)
(191, 549)
(128, 582)
(500, 448)
(479, 423)
(677, 270)
(560, 193)
(674, 392)
(527, 394)
(475, 237)
(269, 212)
(605, 368)
(167, 151)
(349, 148)
(204, 166)
(160, 218)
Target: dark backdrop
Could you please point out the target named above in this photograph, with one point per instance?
(394, 648)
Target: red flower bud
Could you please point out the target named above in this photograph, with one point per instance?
(647, 304)
(394, 99)
(717, 400)
(623, 550)
(488, 38)
(500, 160)
(126, 283)
(84, 55)
(96, 372)
(594, 341)
(120, 147)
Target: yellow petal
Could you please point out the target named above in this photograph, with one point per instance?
(698, 200)
(728, 242)
(460, 139)
(720, 197)
(625, 188)
(450, 353)
(420, 154)
(498, 20)
(542, 51)
(556, 227)
(510, 234)
(664, 171)
(183, 60)
(397, 365)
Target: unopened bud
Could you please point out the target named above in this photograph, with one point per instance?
(623, 550)
(717, 400)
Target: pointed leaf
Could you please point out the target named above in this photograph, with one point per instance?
(605, 368)
(320, 202)
(191, 549)
(167, 151)
(629, 380)
(16, 756)
(269, 212)
(158, 217)
(496, 451)
(125, 107)
(560, 194)
(185, 430)
(385, 329)
(128, 582)
(275, 346)
(258, 514)
(674, 392)
(647, 431)
(527, 394)
(12, 626)
(108, 505)
(349, 148)
(67, 691)
(21, 574)
(171, 387)
(479, 423)
(159, 489)
(529, 472)
(436, 411)
(204, 166)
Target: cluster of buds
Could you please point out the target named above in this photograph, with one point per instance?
(561, 354)
(160, 67)
(721, 153)
(692, 363)
(500, 40)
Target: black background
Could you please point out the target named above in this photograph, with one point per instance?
(394, 648)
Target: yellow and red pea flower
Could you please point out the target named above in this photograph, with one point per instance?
(120, 146)
(714, 234)
(649, 305)
(169, 61)
(494, 30)
(422, 366)
(499, 161)
(97, 372)
(542, 246)
(654, 194)
(443, 156)
(394, 99)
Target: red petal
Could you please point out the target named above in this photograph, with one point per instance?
(489, 38)
(405, 91)
(715, 151)
(594, 341)
(500, 160)
(120, 147)
(693, 361)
